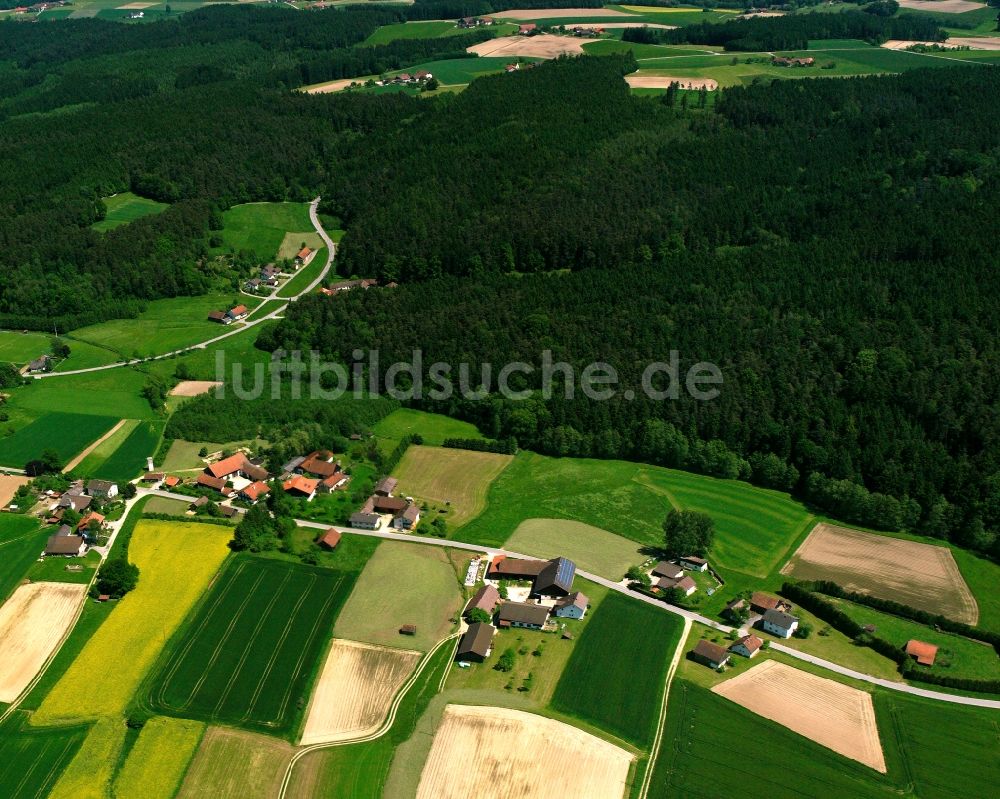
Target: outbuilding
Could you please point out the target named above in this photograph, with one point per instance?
(709, 654)
(476, 644)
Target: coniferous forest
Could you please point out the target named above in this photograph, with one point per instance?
(830, 244)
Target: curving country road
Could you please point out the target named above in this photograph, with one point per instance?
(330, 255)
(409, 538)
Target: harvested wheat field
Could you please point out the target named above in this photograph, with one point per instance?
(557, 13)
(193, 388)
(457, 476)
(976, 42)
(476, 749)
(333, 86)
(355, 690)
(664, 81)
(233, 764)
(590, 26)
(135, 6)
(32, 623)
(830, 713)
(545, 45)
(941, 6)
(921, 575)
(903, 44)
(9, 483)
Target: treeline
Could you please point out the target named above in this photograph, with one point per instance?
(507, 446)
(802, 594)
(793, 31)
(456, 9)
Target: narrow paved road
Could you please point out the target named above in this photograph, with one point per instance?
(330, 254)
(622, 589)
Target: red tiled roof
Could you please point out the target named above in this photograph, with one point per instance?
(172, 481)
(330, 538)
(207, 480)
(300, 484)
(923, 652)
(255, 491)
(304, 252)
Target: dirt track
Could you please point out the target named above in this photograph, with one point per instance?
(921, 575)
(545, 45)
(478, 749)
(355, 690)
(830, 713)
(32, 623)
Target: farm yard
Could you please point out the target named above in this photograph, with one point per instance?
(629, 645)
(458, 478)
(830, 713)
(913, 573)
(156, 764)
(354, 691)
(402, 584)
(65, 433)
(33, 622)
(591, 548)
(235, 764)
(177, 561)
(124, 208)
(478, 749)
(249, 653)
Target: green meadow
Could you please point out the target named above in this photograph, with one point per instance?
(433, 29)
(21, 542)
(111, 392)
(433, 427)
(126, 207)
(19, 348)
(66, 433)
(261, 227)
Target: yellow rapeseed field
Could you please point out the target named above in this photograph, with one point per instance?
(90, 770)
(157, 762)
(176, 561)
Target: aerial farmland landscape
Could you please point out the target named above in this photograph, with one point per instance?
(425, 399)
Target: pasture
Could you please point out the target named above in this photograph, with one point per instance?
(248, 655)
(234, 764)
(591, 548)
(21, 541)
(31, 760)
(355, 690)
(176, 561)
(115, 392)
(629, 644)
(157, 762)
(293, 242)
(458, 478)
(166, 325)
(754, 527)
(126, 207)
(33, 623)
(921, 575)
(65, 433)
(434, 428)
(261, 227)
(402, 584)
(19, 348)
(830, 713)
(129, 459)
(475, 749)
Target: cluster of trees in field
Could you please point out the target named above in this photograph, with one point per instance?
(793, 32)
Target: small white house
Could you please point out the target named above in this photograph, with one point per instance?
(102, 489)
(573, 606)
(748, 646)
(778, 623)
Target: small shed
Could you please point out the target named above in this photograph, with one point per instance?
(408, 629)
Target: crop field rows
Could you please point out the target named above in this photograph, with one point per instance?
(66, 433)
(32, 760)
(252, 646)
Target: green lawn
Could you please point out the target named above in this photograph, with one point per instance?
(591, 548)
(126, 207)
(55, 570)
(615, 676)
(306, 275)
(21, 542)
(172, 507)
(19, 348)
(427, 30)
(66, 433)
(433, 427)
(424, 591)
(755, 528)
(165, 326)
(261, 227)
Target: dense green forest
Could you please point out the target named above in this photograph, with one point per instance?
(828, 244)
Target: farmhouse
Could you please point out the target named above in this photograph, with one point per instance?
(527, 29)
(779, 623)
(299, 486)
(694, 564)
(365, 521)
(476, 644)
(573, 606)
(317, 464)
(42, 364)
(504, 568)
(408, 519)
(84, 525)
(667, 569)
(486, 598)
(70, 546)
(253, 492)
(238, 465)
(347, 285)
(709, 654)
(102, 489)
(238, 312)
(78, 502)
(219, 316)
(302, 256)
(761, 603)
(923, 653)
(685, 585)
(332, 483)
(215, 483)
(522, 614)
(781, 61)
(748, 646)
(329, 539)
(386, 486)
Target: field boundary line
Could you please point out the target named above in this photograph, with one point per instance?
(390, 718)
(78, 459)
(654, 750)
